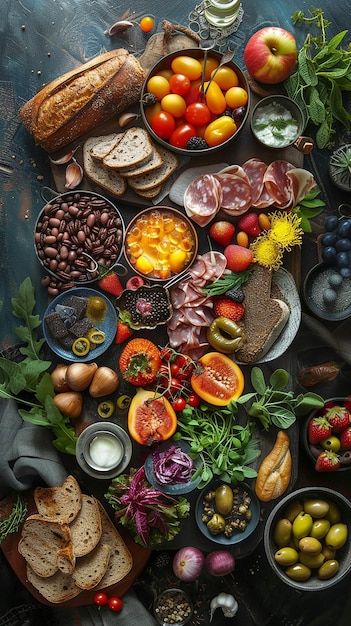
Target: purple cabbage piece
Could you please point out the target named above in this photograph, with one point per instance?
(172, 466)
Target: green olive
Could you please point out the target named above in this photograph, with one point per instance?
(310, 545)
(336, 536)
(316, 508)
(328, 553)
(302, 525)
(333, 515)
(286, 556)
(298, 572)
(282, 532)
(320, 528)
(293, 510)
(328, 569)
(313, 561)
(224, 499)
(332, 443)
(216, 524)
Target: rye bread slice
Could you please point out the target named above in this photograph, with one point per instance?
(56, 589)
(90, 568)
(61, 503)
(265, 316)
(98, 174)
(153, 179)
(134, 148)
(86, 528)
(40, 541)
(121, 560)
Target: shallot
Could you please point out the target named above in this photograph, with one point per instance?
(220, 563)
(188, 563)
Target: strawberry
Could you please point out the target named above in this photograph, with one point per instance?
(140, 362)
(111, 284)
(224, 307)
(318, 429)
(249, 224)
(222, 232)
(345, 439)
(338, 417)
(238, 257)
(327, 462)
(123, 332)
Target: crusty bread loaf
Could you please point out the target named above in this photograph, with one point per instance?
(133, 149)
(90, 568)
(264, 318)
(274, 473)
(56, 589)
(61, 503)
(40, 541)
(94, 169)
(86, 528)
(74, 103)
(121, 561)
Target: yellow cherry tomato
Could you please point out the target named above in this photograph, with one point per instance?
(173, 104)
(147, 23)
(165, 73)
(159, 86)
(236, 97)
(225, 77)
(211, 65)
(187, 65)
(220, 130)
(215, 99)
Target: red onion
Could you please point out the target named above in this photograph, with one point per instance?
(220, 563)
(188, 563)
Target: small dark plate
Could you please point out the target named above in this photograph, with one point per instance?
(175, 488)
(315, 283)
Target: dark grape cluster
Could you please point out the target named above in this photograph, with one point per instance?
(336, 244)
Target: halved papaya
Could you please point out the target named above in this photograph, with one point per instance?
(151, 418)
(218, 379)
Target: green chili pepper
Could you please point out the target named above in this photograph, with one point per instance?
(225, 335)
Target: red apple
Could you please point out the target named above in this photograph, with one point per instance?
(270, 55)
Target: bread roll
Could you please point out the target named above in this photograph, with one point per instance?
(79, 100)
(274, 472)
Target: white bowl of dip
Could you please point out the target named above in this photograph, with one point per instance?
(103, 450)
(277, 122)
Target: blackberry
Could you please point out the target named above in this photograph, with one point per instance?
(145, 307)
(228, 112)
(237, 295)
(149, 99)
(196, 143)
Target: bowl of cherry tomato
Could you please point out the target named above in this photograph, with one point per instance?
(192, 106)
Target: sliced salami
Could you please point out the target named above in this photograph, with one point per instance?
(255, 170)
(237, 193)
(276, 182)
(203, 199)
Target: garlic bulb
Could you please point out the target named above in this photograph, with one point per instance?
(226, 602)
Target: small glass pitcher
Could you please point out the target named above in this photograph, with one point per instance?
(222, 13)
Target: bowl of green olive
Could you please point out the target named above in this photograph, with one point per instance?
(227, 514)
(307, 538)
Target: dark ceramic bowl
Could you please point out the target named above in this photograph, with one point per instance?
(342, 555)
(326, 300)
(165, 64)
(313, 451)
(289, 105)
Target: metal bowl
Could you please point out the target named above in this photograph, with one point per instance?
(343, 554)
(152, 236)
(76, 233)
(274, 141)
(165, 64)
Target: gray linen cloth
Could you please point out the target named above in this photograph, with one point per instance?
(28, 458)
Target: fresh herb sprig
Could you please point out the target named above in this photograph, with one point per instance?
(225, 448)
(21, 381)
(323, 74)
(12, 522)
(272, 404)
(231, 280)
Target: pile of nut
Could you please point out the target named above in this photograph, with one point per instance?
(172, 607)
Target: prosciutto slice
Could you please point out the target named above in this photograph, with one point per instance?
(276, 182)
(301, 182)
(203, 199)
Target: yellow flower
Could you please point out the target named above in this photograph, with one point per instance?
(267, 252)
(285, 229)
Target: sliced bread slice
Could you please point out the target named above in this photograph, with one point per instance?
(61, 503)
(40, 541)
(56, 589)
(121, 560)
(109, 180)
(86, 528)
(90, 568)
(153, 179)
(102, 145)
(66, 560)
(134, 148)
(149, 193)
(153, 163)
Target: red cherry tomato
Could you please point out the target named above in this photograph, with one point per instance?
(179, 404)
(166, 354)
(175, 385)
(175, 369)
(100, 599)
(198, 114)
(115, 604)
(147, 23)
(193, 400)
(182, 134)
(180, 84)
(163, 124)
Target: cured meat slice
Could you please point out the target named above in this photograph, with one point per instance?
(255, 170)
(237, 193)
(276, 182)
(301, 182)
(237, 170)
(203, 199)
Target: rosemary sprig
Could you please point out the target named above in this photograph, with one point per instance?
(12, 522)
